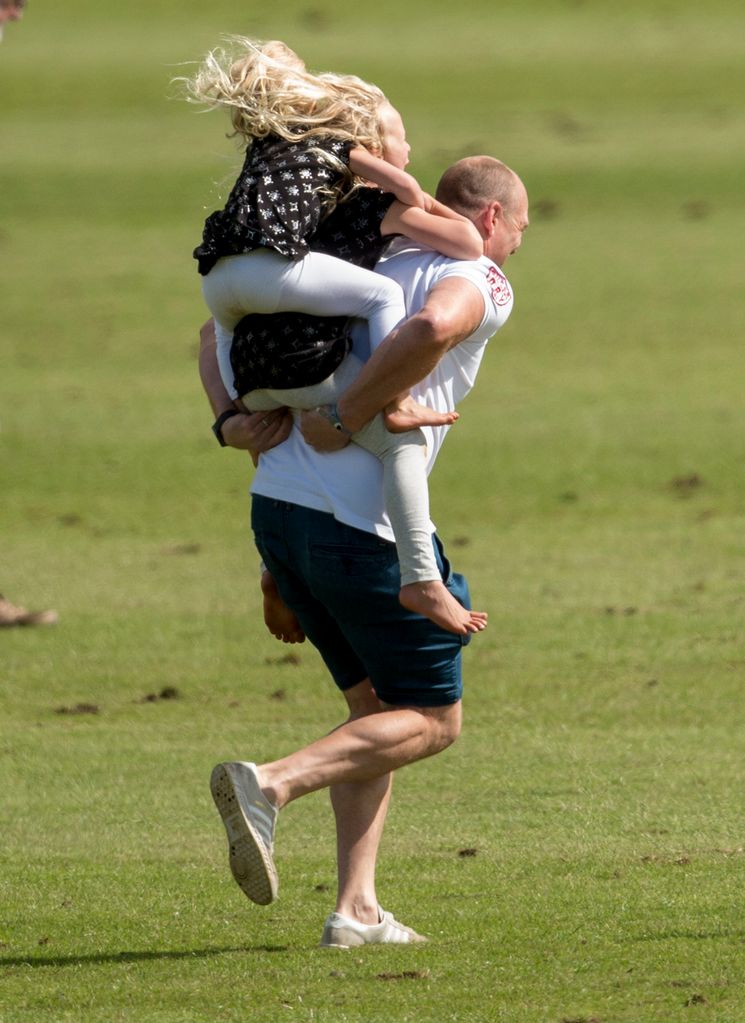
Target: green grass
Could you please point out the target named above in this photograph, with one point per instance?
(593, 492)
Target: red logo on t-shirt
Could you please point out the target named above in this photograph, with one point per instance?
(498, 285)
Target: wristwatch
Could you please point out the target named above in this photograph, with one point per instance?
(220, 422)
(331, 413)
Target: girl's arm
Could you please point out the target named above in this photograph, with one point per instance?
(372, 168)
(441, 228)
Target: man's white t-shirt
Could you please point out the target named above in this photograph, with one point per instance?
(348, 483)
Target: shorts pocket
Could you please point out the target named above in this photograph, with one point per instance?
(354, 559)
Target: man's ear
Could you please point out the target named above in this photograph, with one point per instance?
(491, 216)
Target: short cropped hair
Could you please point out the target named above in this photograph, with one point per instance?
(472, 183)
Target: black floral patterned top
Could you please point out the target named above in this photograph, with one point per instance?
(278, 200)
(295, 349)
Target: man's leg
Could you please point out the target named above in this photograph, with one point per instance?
(356, 758)
(360, 809)
(362, 749)
(343, 584)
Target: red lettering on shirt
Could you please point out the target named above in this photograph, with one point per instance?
(498, 285)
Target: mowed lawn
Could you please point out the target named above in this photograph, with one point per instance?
(578, 855)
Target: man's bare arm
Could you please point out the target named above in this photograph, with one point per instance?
(453, 311)
(254, 432)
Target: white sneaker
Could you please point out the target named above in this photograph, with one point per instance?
(343, 932)
(249, 820)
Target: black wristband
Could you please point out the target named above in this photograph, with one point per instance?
(220, 421)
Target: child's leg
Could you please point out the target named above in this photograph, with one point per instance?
(262, 281)
(239, 285)
(231, 290)
(322, 285)
(326, 392)
(406, 495)
(224, 341)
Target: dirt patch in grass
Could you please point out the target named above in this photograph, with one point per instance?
(166, 693)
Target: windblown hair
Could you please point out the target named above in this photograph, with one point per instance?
(471, 183)
(268, 91)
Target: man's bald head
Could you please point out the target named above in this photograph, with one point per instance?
(472, 183)
(493, 198)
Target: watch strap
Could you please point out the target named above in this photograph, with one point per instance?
(219, 423)
(331, 413)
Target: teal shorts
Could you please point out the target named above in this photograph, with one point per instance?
(343, 584)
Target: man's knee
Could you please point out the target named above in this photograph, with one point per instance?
(444, 726)
(362, 700)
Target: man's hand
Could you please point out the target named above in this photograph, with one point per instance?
(248, 431)
(257, 431)
(319, 433)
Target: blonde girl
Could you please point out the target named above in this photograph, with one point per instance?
(311, 141)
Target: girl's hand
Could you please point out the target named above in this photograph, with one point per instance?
(409, 190)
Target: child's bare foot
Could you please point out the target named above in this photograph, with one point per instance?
(434, 601)
(279, 619)
(409, 414)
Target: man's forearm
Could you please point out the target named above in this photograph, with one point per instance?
(408, 355)
(452, 312)
(252, 432)
(209, 371)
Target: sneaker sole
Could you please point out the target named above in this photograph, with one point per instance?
(250, 862)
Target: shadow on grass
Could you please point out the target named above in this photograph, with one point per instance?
(134, 957)
(726, 935)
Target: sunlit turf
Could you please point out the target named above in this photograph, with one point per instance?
(577, 855)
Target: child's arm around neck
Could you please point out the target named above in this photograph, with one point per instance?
(386, 176)
(437, 226)
(415, 214)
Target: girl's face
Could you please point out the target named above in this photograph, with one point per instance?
(395, 147)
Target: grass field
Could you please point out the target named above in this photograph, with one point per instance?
(578, 855)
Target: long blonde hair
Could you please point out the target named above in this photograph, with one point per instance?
(268, 91)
